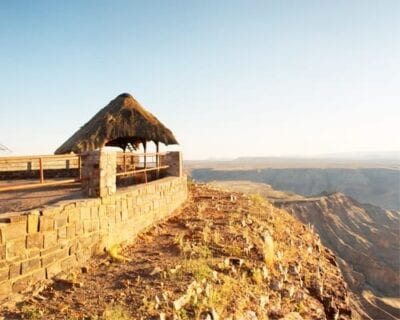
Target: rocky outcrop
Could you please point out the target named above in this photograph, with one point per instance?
(222, 256)
(365, 236)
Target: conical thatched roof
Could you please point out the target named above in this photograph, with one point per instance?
(4, 148)
(123, 121)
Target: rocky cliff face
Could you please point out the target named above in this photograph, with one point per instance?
(380, 187)
(365, 236)
(224, 255)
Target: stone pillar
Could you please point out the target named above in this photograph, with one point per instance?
(99, 170)
(175, 162)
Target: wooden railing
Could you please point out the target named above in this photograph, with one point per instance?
(33, 168)
(27, 172)
(131, 164)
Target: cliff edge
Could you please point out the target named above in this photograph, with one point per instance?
(224, 255)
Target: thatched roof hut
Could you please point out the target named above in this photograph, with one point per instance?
(4, 148)
(122, 123)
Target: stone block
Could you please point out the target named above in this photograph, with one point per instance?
(53, 256)
(5, 288)
(94, 213)
(78, 228)
(73, 247)
(16, 248)
(62, 233)
(73, 215)
(25, 281)
(124, 214)
(2, 251)
(68, 205)
(49, 239)
(50, 211)
(85, 213)
(107, 200)
(13, 217)
(87, 226)
(49, 258)
(60, 222)
(30, 265)
(68, 263)
(33, 252)
(4, 273)
(118, 217)
(46, 223)
(102, 211)
(53, 269)
(13, 230)
(111, 210)
(103, 224)
(33, 222)
(34, 240)
(71, 230)
(15, 269)
(95, 225)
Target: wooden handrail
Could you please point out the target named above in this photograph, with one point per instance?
(35, 157)
(140, 171)
(152, 154)
(37, 185)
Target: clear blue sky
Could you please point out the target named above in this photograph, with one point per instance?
(230, 78)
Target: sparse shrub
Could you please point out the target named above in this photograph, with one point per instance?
(183, 315)
(300, 308)
(114, 252)
(116, 312)
(257, 199)
(199, 268)
(217, 237)
(233, 250)
(201, 251)
(257, 276)
(206, 234)
(31, 312)
(232, 294)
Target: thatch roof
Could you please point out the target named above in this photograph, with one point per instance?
(121, 123)
(4, 148)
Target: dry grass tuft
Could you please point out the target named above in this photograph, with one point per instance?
(116, 312)
(114, 252)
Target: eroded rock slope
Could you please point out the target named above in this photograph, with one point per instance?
(222, 256)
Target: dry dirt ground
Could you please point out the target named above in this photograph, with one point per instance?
(221, 256)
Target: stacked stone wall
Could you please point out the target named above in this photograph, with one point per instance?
(40, 244)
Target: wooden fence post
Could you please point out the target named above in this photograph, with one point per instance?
(41, 170)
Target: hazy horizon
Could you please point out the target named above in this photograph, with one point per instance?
(364, 155)
(259, 78)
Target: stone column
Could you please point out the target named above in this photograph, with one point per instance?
(99, 170)
(175, 162)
